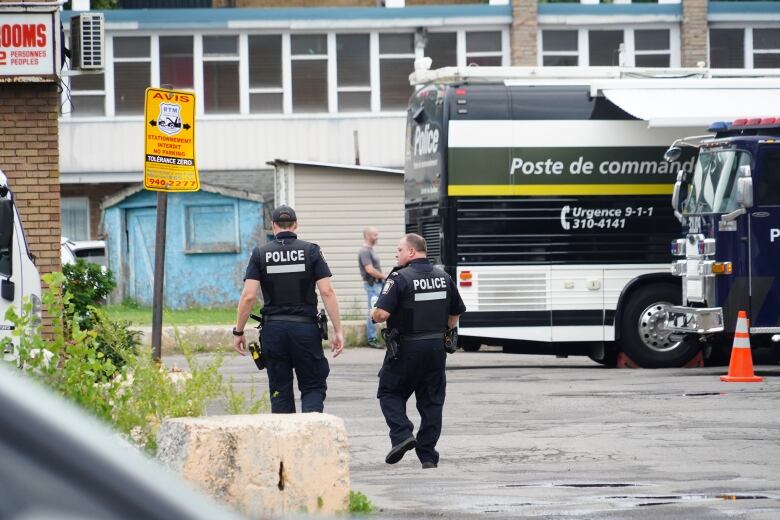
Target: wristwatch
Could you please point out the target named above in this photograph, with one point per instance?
(237, 332)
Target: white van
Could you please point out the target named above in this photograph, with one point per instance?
(19, 278)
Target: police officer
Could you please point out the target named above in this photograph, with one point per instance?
(422, 303)
(287, 270)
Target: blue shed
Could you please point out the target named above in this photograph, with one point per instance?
(210, 235)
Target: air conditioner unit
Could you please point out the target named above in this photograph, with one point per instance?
(87, 38)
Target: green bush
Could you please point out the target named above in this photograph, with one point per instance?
(133, 393)
(360, 504)
(88, 286)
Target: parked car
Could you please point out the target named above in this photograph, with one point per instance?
(90, 250)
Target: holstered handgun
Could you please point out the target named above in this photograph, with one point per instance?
(392, 342)
(451, 340)
(322, 323)
(256, 347)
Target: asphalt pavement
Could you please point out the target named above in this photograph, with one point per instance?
(541, 437)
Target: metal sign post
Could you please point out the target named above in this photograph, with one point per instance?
(169, 165)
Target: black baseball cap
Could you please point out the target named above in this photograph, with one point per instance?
(284, 213)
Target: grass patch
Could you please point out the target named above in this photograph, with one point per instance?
(360, 504)
(195, 316)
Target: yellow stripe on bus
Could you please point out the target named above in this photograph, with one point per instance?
(558, 189)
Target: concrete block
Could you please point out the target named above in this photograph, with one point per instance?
(263, 465)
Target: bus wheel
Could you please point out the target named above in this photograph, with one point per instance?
(469, 345)
(643, 336)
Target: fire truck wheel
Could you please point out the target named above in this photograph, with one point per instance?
(643, 336)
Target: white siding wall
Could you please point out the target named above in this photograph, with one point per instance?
(333, 207)
(225, 144)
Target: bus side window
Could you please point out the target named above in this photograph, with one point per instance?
(6, 235)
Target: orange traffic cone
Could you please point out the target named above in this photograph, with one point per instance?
(741, 364)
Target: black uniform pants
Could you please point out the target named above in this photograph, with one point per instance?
(289, 346)
(419, 370)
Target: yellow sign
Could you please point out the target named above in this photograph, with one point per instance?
(169, 134)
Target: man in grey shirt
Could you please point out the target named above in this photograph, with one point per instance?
(370, 271)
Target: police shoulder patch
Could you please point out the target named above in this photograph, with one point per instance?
(394, 273)
(388, 285)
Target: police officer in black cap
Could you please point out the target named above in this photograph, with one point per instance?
(287, 271)
(422, 303)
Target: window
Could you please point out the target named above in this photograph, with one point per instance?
(176, 61)
(75, 218)
(220, 74)
(309, 55)
(88, 95)
(396, 62)
(727, 48)
(768, 192)
(604, 48)
(265, 74)
(442, 48)
(766, 48)
(559, 48)
(652, 48)
(211, 229)
(483, 48)
(132, 74)
(353, 72)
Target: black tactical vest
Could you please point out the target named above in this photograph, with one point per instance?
(425, 303)
(288, 277)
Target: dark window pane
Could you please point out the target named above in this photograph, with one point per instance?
(560, 61)
(396, 43)
(354, 101)
(87, 82)
(766, 38)
(310, 86)
(130, 83)
(265, 103)
(484, 61)
(766, 61)
(309, 44)
(394, 81)
(220, 87)
(265, 61)
(176, 61)
(88, 106)
(604, 47)
(727, 48)
(131, 47)
(483, 41)
(652, 60)
(655, 40)
(353, 63)
(768, 191)
(442, 49)
(220, 45)
(559, 40)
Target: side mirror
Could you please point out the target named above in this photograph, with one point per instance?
(7, 290)
(673, 153)
(745, 190)
(744, 171)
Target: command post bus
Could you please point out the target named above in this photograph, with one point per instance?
(547, 200)
(730, 208)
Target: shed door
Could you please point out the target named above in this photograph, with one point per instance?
(141, 224)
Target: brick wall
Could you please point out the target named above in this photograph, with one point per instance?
(29, 156)
(524, 25)
(694, 33)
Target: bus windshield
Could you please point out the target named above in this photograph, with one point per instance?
(712, 189)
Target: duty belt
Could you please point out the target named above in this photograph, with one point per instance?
(289, 317)
(426, 335)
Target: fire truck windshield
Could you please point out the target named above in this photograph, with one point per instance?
(713, 187)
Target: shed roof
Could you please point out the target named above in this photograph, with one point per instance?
(220, 190)
(277, 162)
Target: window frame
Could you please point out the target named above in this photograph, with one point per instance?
(151, 61)
(86, 203)
(188, 248)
